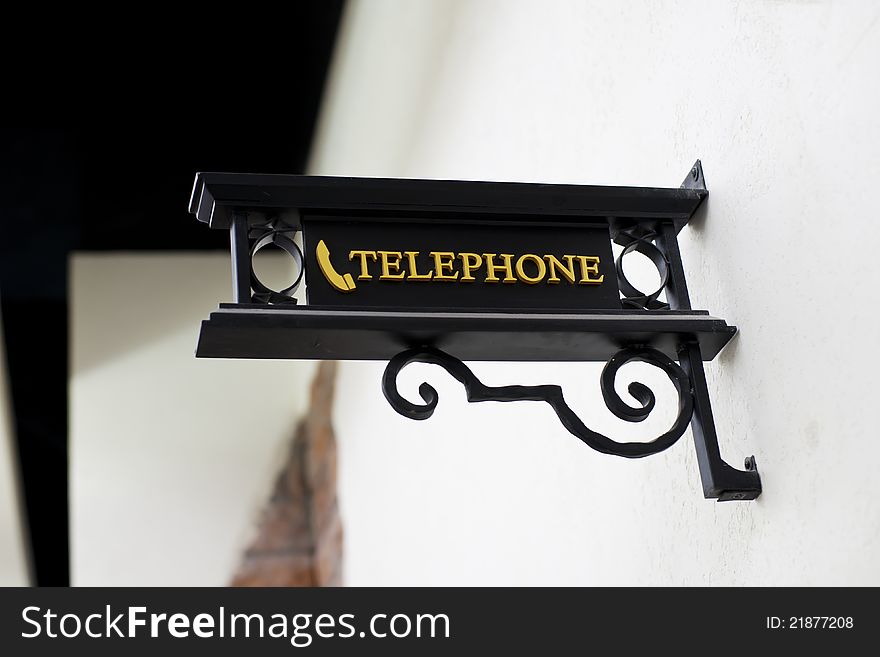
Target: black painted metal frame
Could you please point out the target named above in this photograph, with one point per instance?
(263, 323)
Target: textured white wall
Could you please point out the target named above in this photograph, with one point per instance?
(171, 457)
(780, 100)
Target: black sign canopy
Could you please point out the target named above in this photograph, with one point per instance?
(444, 271)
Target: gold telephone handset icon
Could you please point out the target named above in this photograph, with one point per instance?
(341, 282)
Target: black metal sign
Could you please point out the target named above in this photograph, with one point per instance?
(444, 271)
(410, 264)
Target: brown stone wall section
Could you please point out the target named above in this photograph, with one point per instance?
(299, 537)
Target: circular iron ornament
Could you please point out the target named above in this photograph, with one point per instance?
(634, 297)
(263, 293)
(552, 395)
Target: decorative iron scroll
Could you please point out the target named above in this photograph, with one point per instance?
(641, 239)
(281, 235)
(552, 394)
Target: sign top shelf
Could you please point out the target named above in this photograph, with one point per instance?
(216, 196)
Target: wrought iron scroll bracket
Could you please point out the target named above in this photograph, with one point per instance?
(720, 480)
(552, 395)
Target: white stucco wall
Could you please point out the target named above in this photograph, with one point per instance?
(172, 458)
(781, 101)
